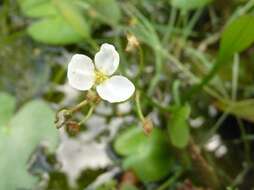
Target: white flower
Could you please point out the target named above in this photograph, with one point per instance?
(83, 75)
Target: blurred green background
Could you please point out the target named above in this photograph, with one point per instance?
(189, 125)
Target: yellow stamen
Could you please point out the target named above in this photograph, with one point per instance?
(100, 77)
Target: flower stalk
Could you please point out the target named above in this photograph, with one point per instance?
(146, 121)
(78, 107)
(88, 115)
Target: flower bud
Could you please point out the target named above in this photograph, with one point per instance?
(147, 126)
(72, 127)
(128, 177)
(132, 44)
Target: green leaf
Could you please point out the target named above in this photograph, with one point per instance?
(7, 107)
(178, 128)
(73, 16)
(237, 36)
(33, 123)
(148, 156)
(242, 109)
(189, 4)
(62, 22)
(54, 31)
(134, 139)
(37, 8)
(107, 10)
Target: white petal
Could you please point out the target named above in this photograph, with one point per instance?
(81, 72)
(107, 59)
(116, 89)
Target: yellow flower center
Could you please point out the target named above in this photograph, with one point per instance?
(100, 77)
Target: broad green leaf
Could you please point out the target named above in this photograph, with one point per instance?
(148, 156)
(73, 16)
(32, 124)
(189, 4)
(37, 8)
(108, 10)
(178, 128)
(54, 31)
(7, 107)
(242, 109)
(236, 37)
(134, 139)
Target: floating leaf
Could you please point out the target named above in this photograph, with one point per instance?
(178, 127)
(147, 156)
(33, 123)
(134, 139)
(189, 4)
(54, 31)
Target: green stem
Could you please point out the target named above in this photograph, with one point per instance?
(215, 127)
(171, 23)
(246, 137)
(235, 76)
(192, 77)
(78, 107)
(157, 104)
(176, 95)
(191, 24)
(207, 64)
(240, 177)
(242, 10)
(88, 115)
(171, 180)
(139, 110)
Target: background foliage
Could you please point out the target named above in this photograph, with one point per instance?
(189, 124)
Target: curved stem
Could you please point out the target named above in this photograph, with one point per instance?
(88, 115)
(78, 107)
